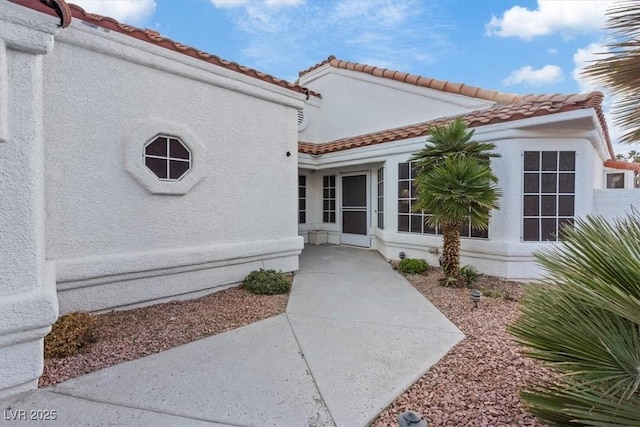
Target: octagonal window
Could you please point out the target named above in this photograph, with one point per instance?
(167, 157)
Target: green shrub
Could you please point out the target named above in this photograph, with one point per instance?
(493, 293)
(450, 281)
(468, 275)
(70, 334)
(266, 282)
(412, 266)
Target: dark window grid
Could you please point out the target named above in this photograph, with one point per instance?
(302, 199)
(381, 198)
(548, 194)
(415, 222)
(172, 158)
(174, 168)
(329, 199)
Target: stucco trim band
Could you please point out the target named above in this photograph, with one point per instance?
(148, 263)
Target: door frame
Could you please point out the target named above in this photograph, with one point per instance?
(363, 240)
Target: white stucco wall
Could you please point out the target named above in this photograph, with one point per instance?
(114, 242)
(355, 103)
(28, 304)
(616, 202)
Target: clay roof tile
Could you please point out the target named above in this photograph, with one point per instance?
(412, 79)
(521, 109)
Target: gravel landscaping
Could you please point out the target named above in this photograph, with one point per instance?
(474, 385)
(132, 334)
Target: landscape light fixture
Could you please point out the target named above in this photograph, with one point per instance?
(411, 419)
(402, 255)
(475, 297)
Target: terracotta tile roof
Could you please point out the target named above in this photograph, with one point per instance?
(441, 85)
(621, 164)
(66, 11)
(525, 107)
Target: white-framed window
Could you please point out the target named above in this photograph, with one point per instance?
(415, 222)
(615, 180)
(381, 198)
(302, 199)
(548, 204)
(167, 157)
(329, 199)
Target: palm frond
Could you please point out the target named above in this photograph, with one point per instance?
(452, 141)
(458, 190)
(619, 69)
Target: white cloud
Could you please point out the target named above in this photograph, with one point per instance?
(381, 33)
(238, 3)
(527, 75)
(552, 51)
(581, 59)
(127, 11)
(551, 16)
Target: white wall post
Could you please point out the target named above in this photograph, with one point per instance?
(28, 302)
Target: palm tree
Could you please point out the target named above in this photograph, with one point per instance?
(619, 69)
(585, 325)
(455, 184)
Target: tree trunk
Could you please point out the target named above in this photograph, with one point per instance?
(451, 250)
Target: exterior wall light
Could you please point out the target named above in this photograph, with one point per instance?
(475, 297)
(402, 255)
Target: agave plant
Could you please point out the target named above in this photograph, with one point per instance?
(585, 325)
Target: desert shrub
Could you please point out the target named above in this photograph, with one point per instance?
(468, 275)
(70, 334)
(493, 293)
(266, 282)
(585, 326)
(412, 266)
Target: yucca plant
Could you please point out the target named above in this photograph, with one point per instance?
(585, 326)
(455, 184)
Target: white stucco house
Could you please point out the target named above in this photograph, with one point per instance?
(361, 124)
(134, 169)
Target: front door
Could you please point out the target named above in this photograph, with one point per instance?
(355, 218)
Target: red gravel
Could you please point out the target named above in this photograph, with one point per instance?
(132, 334)
(476, 383)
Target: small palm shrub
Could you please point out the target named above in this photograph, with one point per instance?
(468, 275)
(586, 326)
(266, 282)
(412, 266)
(70, 334)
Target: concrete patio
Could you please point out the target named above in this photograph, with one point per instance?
(355, 335)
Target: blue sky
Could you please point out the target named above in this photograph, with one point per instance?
(517, 46)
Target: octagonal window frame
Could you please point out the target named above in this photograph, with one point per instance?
(140, 137)
(168, 158)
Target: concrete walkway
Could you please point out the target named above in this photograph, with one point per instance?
(354, 337)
